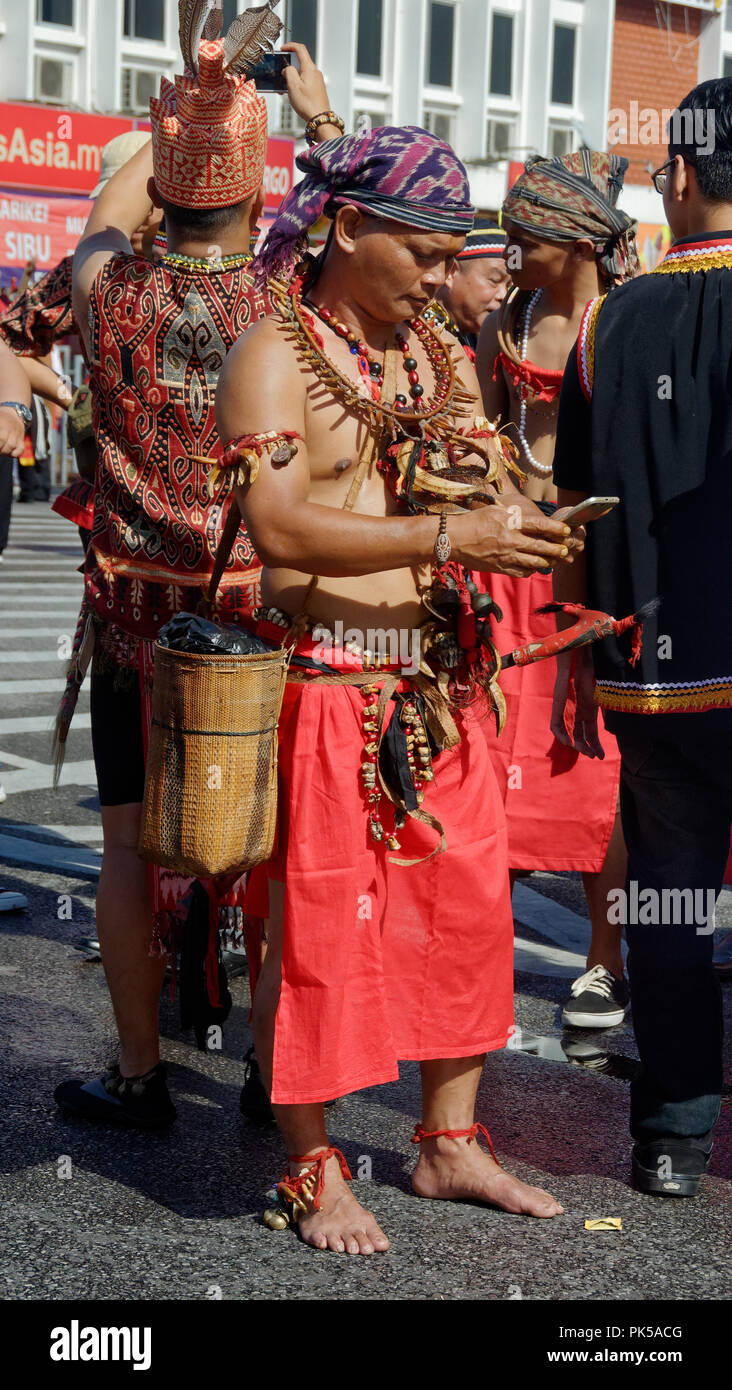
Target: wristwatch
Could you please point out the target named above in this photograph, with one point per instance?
(22, 410)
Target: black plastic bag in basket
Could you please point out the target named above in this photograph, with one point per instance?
(187, 632)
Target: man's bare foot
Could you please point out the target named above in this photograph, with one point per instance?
(452, 1169)
(342, 1224)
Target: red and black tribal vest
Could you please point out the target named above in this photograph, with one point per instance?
(159, 336)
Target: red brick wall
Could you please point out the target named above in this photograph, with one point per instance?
(651, 70)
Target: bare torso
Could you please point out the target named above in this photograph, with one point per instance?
(336, 439)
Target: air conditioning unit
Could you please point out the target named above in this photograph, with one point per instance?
(500, 138)
(441, 124)
(139, 85)
(561, 141)
(54, 80)
(289, 121)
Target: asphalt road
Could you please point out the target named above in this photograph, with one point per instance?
(88, 1213)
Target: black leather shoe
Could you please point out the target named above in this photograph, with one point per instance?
(127, 1102)
(671, 1167)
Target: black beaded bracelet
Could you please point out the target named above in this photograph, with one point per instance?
(325, 118)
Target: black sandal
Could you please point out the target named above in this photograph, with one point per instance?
(135, 1102)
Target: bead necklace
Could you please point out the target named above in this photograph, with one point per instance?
(539, 470)
(372, 370)
(439, 415)
(206, 266)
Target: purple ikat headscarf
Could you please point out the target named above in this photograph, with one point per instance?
(397, 172)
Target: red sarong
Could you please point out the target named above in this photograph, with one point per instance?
(382, 962)
(560, 805)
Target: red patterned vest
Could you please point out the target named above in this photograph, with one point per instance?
(159, 336)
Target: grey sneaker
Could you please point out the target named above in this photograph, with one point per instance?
(598, 1000)
(10, 901)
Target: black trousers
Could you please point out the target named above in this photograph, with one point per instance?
(676, 802)
(35, 481)
(6, 498)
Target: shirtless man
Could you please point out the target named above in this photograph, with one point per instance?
(427, 973)
(563, 814)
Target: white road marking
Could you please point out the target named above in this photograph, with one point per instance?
(79, 834)
(39, 724)
(69, 859)
(30, 658)
(542, 914)
(6, 632)
(69, 591)
(538, 959)
(51, 686)
(37, 778)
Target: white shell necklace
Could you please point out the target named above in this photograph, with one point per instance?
(539, 470)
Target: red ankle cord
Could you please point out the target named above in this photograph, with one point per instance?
(293, 1186)
(469, 1134)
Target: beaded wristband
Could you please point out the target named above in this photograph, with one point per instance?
(325, 118)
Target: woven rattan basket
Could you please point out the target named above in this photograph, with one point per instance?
(210, 803)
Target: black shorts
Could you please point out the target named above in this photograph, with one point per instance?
(116, 724)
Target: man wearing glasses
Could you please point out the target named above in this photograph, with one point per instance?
(646, 415)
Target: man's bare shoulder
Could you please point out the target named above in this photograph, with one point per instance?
(266, 344)
(261, 380)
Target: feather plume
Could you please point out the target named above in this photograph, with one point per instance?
(252, 34)
(214, 23)
(193, 17)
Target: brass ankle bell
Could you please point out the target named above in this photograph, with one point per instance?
(276, 1219)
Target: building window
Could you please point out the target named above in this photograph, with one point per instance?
(441, 45)
(145, 19)
(727, 67)
(561, 141)
(231, 10)
(728, 16)
(55, 12)
(370, 33)
(302, 23)
(563, 65)
(501, 80)
(441, 124)
(500, 138)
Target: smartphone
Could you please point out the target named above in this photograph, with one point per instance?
(589, 510)
(269, 74)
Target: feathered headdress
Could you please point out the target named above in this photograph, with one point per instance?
(210, 126)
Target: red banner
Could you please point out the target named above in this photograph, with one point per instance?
(45, 151)
(39, 227)
(279, 172)
(54, 151)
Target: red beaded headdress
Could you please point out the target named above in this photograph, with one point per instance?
(209, 127)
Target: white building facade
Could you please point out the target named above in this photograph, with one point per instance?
(500, 79)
